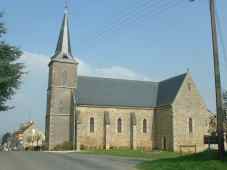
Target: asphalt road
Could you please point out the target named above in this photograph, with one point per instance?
(63, 161)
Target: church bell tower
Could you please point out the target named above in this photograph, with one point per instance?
(61, 90)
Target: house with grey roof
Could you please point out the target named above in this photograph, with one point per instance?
(105, 113)
(27, 136)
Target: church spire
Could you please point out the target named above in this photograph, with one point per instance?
(63, 49)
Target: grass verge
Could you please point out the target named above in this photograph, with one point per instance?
(154, 155)
(200, 161)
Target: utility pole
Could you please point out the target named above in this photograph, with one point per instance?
(218, 89)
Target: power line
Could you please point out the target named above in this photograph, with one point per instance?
(128, 15)
(143, 11)
(153, 9)
(125, 12)
(130, 12)
(158, 12)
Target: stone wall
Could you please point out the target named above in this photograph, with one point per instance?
(164, 128)
(60, 92)
(56, 73)
(116, 139)
(189, 104)
(60, 130)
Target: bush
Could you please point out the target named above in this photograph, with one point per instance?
(82, 147)
(29, 148)
(64, 146)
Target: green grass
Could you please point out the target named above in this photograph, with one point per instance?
(201, 161)
(134, 153)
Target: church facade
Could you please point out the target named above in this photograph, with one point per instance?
(105, 113)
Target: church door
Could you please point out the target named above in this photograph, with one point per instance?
(164, 143)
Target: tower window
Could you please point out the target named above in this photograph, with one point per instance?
(61, 106)
(144, 126)
(92, 125)
(190, 125)
(64, 77)
(119, 125)
(189, 86)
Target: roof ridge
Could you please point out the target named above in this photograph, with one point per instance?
(109, 78)
(149, 81)
(170, 78)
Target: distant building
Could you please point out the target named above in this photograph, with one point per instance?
(27, 136)
(93, 112)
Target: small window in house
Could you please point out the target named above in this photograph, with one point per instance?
(92, 124)
(119, 125)
(190, 125)
(144, 126)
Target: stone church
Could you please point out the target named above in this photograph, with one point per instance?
(105, 113)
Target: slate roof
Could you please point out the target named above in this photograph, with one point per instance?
(168, 89)
(126, 93)
(64, 46)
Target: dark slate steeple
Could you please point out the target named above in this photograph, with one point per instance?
(63, 50)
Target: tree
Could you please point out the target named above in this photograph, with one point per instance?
(213, 125)
(38, 138)
(6, 137)
(11, 70)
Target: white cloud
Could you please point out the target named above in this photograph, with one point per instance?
(119, 72)
(37, 63)
(34, 61)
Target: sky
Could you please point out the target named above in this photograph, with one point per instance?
(132, 39)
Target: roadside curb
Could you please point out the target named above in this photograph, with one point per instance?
(73, 151)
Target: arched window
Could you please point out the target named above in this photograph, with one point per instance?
(119, 125)
(189, 86)
(144, 126)
(64, 77)
(92, 124)
(61, 106)
(190, 125)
